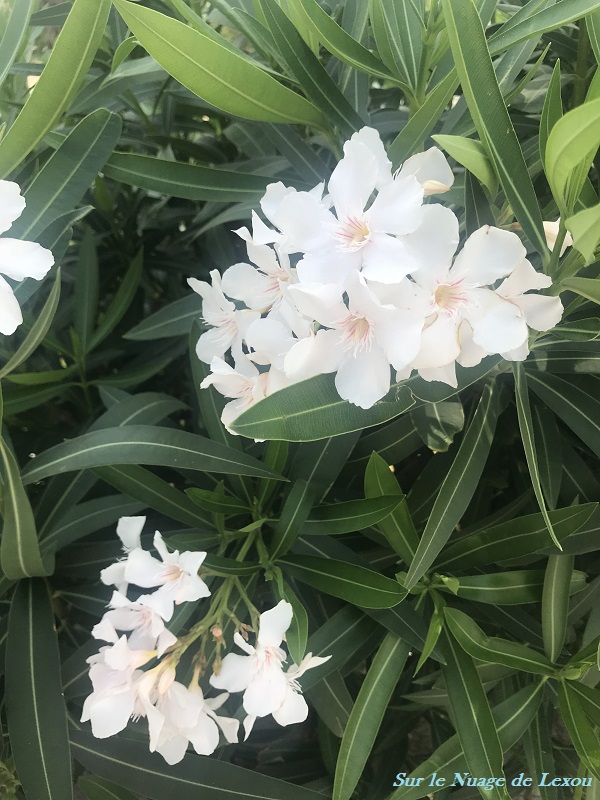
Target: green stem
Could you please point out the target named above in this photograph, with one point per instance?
(581, 66)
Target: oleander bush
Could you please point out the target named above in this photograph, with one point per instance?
(300, 399)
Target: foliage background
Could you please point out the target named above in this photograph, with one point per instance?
(142, 145)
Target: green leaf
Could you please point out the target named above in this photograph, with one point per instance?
(217, 503)
(512, 717)
(555, 603)
(581, 732)
(511, 588)
(352, 515)
(472, 155)
(130, 765)
(546, 20)
(213, 72)
(19, 550)
(51, 15)
(549, 449)
(458, 486)
(69, 61)
(398, 527)
(491, 118)
(579, 410)
(473, 719)
(573, 139)
(66, 176)
(367, 714)
(37, 720)
(592, 23)
(175, 319)
(552, 110)
(538, 747)
(493, 649)
(350, 582)
(143, 444)
(527, 437)
(14, 32)
(398, 33)
(586, 287)
(339, 43)
(295, 510)
(190, 181)
(86, 290)
(37, 332)
(519, 537)
(120, 302)
(99, 789)
(585, 230)
(478, 211)
(308, 71)
(313, 409)
(297, 634)
(422, 122)
(438, 423)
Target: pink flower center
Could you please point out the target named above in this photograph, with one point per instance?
(352, 234)
(357, 333)
(449, 298)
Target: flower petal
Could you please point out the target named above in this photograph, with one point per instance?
(431, 170)
(315, 355)
(274, 623)
(129, 531)
(10, 310)
(498, 325)
(266, 691)
(12, 204)
(439, 344)
(397, 208)
(387, 259)
(522, 279)
(353, 180)
(541, 312)
(488, 254)
(293, 709)
(433, 244)
(365, 378)
(371, 139)
(235, 674)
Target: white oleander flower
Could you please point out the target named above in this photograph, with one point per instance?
(244, 383)
(147, 627)
(228, 323)
(551, 232)
(175, 575)
(18, 259)
(129, 531)
(260, 676)
(359, 341)
(431, 170)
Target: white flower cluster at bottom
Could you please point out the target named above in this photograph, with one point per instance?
(359, 279)
(178, 715)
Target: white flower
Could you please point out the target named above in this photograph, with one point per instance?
(176, 575)
(129, 530)
(431, 170)
(178, 716)
(244, 383)
(454, 293)
(115, 679)
(363, 339)
(229, 324)
(363, 233)
(18, 259)
(147, 627)
(551, 232)
(259, 674)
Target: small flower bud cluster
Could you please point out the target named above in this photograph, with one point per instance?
(136, 633)
(361, 280)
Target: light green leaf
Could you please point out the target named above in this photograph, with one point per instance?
(552, 110)
(367, 714)
(585, 230)
(35, 706)
(350, 582)
(472, 155)
(213, 72)
(14, 32)
(491, 118)
(143, 444)
(69, 61)
(458, 486)
(398, 33)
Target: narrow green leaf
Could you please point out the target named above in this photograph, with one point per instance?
(592, 23)
(586, 287)
(37, 332)
(478, 211)
(143, 444)
(19, 550)
(367, 714)
(175, 319)
(552, 110)
(555, 603)
(398, 33)
(458, 487)
(472, 155)
(86, 290)
(297, 634)
(37, 720)
(527, 437)
(352, 515)
(313, 409)
(511, 588)
(493, 649)
(120, 302)
(69, 61)
(491, 118)
(213, 72)
(438, 423)
(350, 582)
(473, 719)
(398, 528)
(581, 732)
(15, 30)
(296, 509)
(585, 230)
(217, 503)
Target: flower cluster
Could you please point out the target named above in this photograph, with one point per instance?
(180, 715)
(18, 259)
(362, 280)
